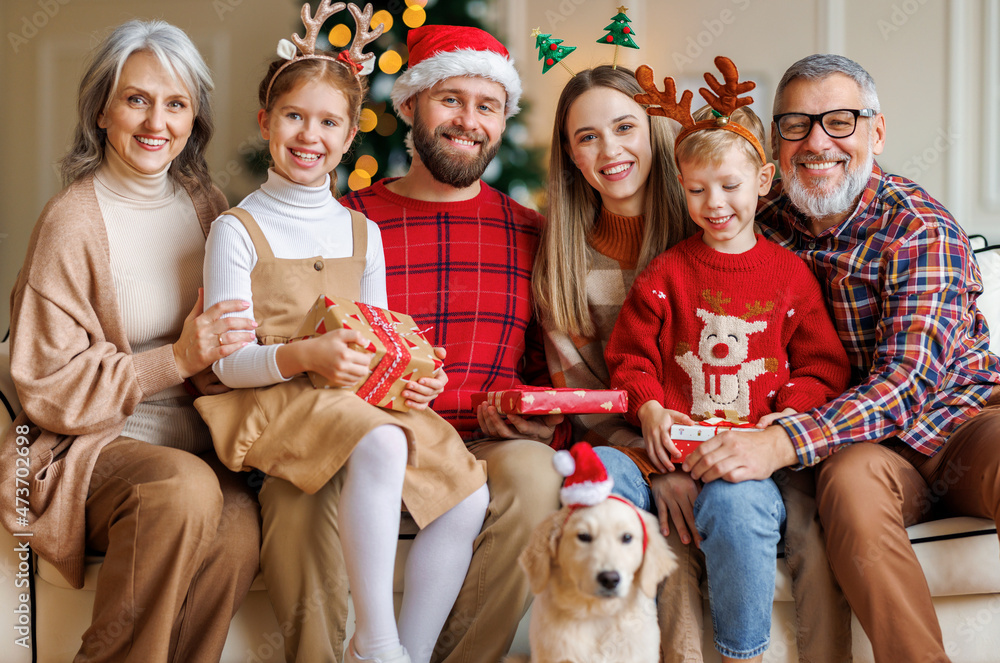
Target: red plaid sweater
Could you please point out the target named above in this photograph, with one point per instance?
(716, 334)
(464, 270)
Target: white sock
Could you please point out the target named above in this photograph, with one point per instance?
(435, 571)
(369, 530)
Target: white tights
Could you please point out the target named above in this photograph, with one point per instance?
(369, 529)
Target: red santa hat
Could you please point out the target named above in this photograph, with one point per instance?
(437, 52)
(587, 481)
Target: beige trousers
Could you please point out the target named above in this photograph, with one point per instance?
(181, 536)
(304, 569)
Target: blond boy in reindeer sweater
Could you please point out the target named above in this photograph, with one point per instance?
(725, 324)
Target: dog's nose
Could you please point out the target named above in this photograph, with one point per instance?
(609, 579)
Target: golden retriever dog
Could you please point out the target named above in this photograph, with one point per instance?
(594, 572)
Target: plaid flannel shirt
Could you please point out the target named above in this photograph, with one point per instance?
(901, 281)
(464, 270)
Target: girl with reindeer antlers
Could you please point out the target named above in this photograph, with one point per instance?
(282, 247)
(724, 324)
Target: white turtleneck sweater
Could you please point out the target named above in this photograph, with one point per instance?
(157, 249)
(298, 222)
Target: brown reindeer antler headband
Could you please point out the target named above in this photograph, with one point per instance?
(361, 64)
(725, 100)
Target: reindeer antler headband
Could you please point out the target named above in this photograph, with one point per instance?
(725, 100)
(361, 64)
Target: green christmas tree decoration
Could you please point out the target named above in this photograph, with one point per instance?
(551, 51)
(619, 33)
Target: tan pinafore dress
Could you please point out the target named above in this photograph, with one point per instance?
(305, 435)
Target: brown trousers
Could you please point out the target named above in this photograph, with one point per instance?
(304, 569)
(181, 538)
(869, 493)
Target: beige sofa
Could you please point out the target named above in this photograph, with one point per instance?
(960, 557)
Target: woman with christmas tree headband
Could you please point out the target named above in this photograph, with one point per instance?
(614, 204)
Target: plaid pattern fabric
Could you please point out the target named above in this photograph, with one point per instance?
(463, 269)
(576, 361)
(901, 280)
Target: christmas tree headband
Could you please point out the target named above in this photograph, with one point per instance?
(725, 100)
(360, 64)
(551, 51)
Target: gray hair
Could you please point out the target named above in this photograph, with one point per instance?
(819, 66)
(178, 56)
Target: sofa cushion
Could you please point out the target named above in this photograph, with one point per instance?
(989, 301)
(959, 555)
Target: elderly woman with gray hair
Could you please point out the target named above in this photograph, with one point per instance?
(109, 453)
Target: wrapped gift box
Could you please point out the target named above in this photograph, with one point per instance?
(550, 400)
(687, 438)
(400, 351)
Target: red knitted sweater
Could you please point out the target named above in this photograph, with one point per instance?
(716, 334)
(464, 270)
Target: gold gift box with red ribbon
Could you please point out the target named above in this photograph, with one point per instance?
(553, 400)
(400, 352)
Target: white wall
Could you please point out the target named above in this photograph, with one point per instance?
(936, 63)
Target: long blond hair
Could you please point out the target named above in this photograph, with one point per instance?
(559, 278)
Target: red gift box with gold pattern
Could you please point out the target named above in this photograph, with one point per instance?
(551, 400)
(400, 351)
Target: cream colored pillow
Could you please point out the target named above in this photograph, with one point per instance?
(989, 301)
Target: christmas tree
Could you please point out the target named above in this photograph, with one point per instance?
(379, 150)
(550, 51)
(619, 32)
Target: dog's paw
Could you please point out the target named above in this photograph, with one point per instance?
(517, 658)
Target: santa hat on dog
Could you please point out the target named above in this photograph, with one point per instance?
(587, 481)
(437, 52)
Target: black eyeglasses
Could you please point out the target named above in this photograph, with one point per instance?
(839, 123)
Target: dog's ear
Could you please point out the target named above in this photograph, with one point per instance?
(537, 557)
(659, 560)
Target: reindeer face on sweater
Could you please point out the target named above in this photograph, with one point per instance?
(722, 369)
(725, 338)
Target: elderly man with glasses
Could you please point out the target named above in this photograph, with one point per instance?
(917, 434)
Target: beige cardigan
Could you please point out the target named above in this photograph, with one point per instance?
(75, 374)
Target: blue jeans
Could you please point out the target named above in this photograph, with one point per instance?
(629, 482)
(740, 526)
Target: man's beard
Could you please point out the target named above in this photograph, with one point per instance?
(447, 165)
(823, 204)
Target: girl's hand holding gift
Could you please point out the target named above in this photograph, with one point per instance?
(420, 393)
(332, 355)
(656, 422)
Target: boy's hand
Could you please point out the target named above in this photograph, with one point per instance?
(656, 421)
(420, 393)
(769, 419)
(674, 494)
